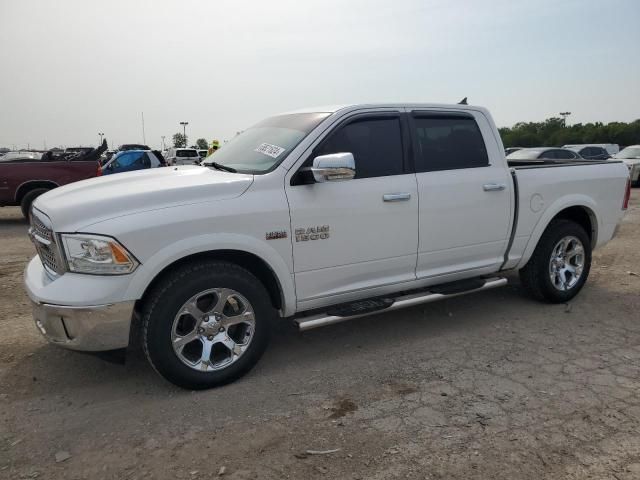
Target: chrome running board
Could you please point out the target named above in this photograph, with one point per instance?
(322, 319)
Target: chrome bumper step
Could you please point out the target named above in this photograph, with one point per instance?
(368, 307)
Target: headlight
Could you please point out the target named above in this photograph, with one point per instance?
(97, 254)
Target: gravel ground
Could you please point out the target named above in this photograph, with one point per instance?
(491, 385)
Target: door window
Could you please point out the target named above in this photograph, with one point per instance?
(129, 160)
(376, 145)
(548, 155)
(447, 143)
(565, 155)
(588, 152)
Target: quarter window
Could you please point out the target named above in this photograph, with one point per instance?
(447, 143)
(376, 145)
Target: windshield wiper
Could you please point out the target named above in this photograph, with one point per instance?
(219, 166)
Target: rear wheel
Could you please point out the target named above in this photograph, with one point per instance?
(560, 264)
(27, 200)
(207, 324)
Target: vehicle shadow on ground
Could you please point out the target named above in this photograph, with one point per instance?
(38, 373)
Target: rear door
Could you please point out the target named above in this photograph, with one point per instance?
(353, 236)
(464, 191)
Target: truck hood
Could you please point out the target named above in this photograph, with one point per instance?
(80, 204)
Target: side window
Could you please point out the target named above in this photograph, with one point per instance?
(447, 143)
(588, 152)
(146, 160)
(130, 159)
(565, 155)
(376, 145)
(548, 155)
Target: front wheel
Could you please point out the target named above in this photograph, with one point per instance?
(560, 264)
(206, 324)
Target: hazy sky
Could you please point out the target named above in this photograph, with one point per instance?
(72, 68)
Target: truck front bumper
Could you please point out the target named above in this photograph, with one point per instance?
(79, 312)
(91, 328)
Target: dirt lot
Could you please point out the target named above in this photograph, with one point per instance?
(491, 385)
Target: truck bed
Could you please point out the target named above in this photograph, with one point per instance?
(539, 193)
(520, 164)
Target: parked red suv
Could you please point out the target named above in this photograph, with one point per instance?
(22, 180)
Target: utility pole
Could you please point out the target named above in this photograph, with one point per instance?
(101, 134)
(564, 116)
(162, 142)
(184, 131)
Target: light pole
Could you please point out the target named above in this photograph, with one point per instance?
(184, 131)
(101, 134)
(564, 116)
(162, 142)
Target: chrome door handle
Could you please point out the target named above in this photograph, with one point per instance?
(396, 197)
(493, 187)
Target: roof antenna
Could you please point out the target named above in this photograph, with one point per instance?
(463, 101)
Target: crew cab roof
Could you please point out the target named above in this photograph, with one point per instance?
(358, 106)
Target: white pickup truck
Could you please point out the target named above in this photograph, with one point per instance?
(317, 216)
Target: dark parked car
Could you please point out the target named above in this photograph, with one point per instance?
(591, 152)
(544, 153)
(132, 146)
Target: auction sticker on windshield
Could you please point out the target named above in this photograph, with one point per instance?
(272, 150)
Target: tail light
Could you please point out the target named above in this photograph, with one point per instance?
(627, 195)
(99, 171)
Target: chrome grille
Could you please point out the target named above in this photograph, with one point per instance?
(44, 240)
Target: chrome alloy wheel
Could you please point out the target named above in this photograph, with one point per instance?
(213, 329)
(566, 263)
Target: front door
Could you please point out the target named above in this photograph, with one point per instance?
(353, 236)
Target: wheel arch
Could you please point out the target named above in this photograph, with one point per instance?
(580, 210)
(29, 185)
(249, 261)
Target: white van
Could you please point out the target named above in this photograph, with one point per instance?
(182, 156)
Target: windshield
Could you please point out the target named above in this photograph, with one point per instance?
(186, 153)
(260, 148)
(629, 152)
(524, 155)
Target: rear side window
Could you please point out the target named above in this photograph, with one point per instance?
(186, 153)
(447, 143)
(376, 145)
(565, 155)
(588, 152)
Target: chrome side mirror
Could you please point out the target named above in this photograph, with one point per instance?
(334, 167)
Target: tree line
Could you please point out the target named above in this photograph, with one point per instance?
(553, 132)
(180, 141)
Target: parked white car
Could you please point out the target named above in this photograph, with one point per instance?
(182, 156)
(631, 157)
(319, 216)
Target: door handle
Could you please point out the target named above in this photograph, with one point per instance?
(396, 197)
(493, 187)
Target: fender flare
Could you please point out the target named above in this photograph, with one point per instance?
(177, 251)
(562, 203)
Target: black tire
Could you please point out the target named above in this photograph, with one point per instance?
(168, 297)
(535, 276)
(28, 199)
